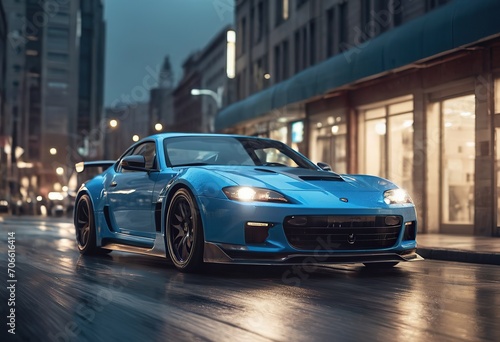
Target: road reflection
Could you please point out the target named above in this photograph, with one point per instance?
(120, 296)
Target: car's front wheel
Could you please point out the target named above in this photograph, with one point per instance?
(85, 226)
(184, 232)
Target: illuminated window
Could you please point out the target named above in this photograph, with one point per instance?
(231, 54)
(457, 159)
(388, 142)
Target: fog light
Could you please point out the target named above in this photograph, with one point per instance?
(297, 221)
(410, 232)
(257, 232)
(392, 220)
(258, 224)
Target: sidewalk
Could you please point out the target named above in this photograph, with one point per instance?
(473, 249)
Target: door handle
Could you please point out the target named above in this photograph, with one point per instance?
(113, 184)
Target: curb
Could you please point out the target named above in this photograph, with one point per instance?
(459, 255)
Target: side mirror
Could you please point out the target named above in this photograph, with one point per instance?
(324, 166)
(134, 163)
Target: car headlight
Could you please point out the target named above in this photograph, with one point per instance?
(248, 194)
(397, 196)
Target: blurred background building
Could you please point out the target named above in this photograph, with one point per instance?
(4, 138)
(207, 84)
(54, 82)
(161, 99)
(126, 124)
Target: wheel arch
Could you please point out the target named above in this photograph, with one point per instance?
(83, 191)
(168, 199)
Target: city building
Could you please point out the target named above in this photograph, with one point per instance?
(407, 90)
(4, 138)
(207, 84)
(91, 80)
(125, 124)
(54, 89)
(161, 99)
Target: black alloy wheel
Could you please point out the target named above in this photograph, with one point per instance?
(85, 226)
(184, 232)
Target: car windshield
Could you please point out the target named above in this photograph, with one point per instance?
(240, 151)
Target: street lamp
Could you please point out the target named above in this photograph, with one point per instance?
(217, 96)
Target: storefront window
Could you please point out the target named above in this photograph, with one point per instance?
(401, 145)
(388, 142)
(458, 156)
(375, 151)
(329, 141)
(298, 139)
(279, 134)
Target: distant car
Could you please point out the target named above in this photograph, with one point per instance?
(4, 206)
(56, 204)
(214, 198)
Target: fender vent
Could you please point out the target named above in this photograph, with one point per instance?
(108, 218)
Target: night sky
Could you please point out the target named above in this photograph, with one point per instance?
(141, 32)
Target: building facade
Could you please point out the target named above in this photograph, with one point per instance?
(161, 99)
(398, 89)
(54, 90)
(91, 80)
(4, 138)
(125, 125)
(207, 84)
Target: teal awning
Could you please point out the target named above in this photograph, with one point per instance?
(457, 24)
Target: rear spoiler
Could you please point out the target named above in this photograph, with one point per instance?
(98, 163)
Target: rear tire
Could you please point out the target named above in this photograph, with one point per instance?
(85, 226)
(184, 232)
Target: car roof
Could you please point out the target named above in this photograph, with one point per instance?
(161, 136)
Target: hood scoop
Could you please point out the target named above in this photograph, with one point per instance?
(322, 178)
(265, 170)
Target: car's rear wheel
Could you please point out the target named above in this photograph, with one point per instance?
(184, 232)
(380, 265)
(85, 226)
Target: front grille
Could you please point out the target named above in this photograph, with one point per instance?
(342, 232)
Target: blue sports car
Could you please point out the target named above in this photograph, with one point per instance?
(215, 198)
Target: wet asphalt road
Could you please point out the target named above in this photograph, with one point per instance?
(62, 296)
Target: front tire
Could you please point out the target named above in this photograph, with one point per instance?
(85, 226)
(184, 232)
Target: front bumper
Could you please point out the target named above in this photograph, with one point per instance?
(225, 223)
(235, 254)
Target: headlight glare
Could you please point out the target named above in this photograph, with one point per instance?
(248, 194)
(397, 196)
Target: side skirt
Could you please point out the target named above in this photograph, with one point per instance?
(132, 247)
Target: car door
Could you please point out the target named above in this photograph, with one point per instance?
(130, 194)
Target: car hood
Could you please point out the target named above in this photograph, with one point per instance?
(299, 179)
